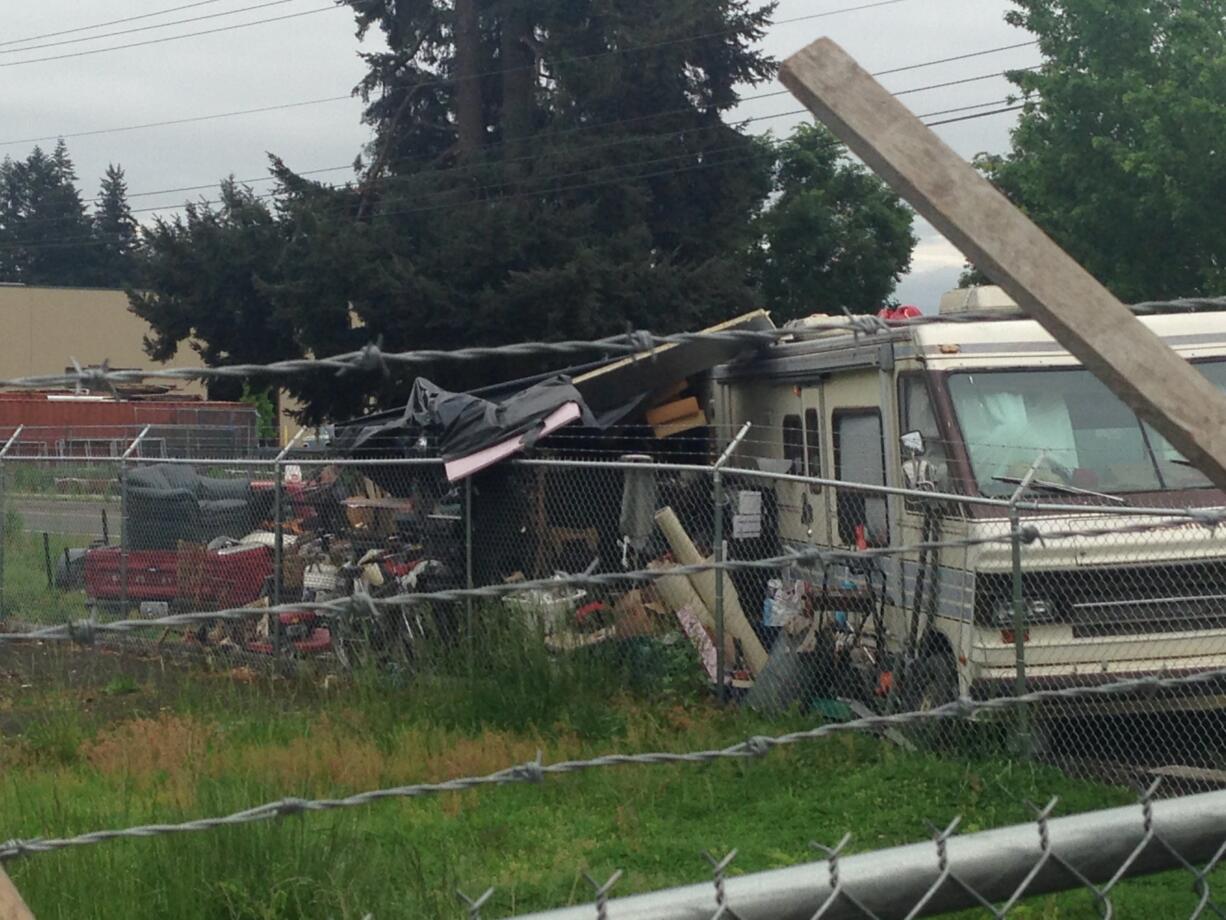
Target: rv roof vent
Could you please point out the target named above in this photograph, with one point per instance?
(988, 298)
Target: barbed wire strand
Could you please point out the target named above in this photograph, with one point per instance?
(373, 358)
(86, 631)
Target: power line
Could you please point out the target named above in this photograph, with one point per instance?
(177, 121)
(477, 76)
(327, 99)
(160, 25)
(630, 139)
(958, 57)
(172, 38)
(111, 22)
(478, 202)
(950, 121)
(475, 167)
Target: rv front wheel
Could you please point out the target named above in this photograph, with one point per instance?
(934, 681)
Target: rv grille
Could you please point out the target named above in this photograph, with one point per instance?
(1118, 600)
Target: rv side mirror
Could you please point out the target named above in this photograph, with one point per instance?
(913, 444)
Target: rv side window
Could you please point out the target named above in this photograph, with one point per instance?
(813, 447)
(916, 412)
(859, 456)
(794, 443)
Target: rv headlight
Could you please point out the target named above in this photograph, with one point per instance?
(1037, 610)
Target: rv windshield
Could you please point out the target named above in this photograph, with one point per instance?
(1090, 439)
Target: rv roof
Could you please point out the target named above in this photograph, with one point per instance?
(1025, 341)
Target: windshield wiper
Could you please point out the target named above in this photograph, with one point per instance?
(1044, 485)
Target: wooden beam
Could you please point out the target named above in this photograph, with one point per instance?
(1046, 282)
(12, 907)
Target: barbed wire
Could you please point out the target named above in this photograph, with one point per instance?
(372, 358)
(86, 631)
(536, 771)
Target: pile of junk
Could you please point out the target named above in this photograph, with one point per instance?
(787, 638)
(433, 503)
(201, 543)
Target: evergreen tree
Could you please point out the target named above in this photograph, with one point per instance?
(203, 277)
(47, 234)
(10, 208)
(115, 232)
(539, 170)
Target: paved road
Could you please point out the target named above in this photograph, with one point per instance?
(66, 516)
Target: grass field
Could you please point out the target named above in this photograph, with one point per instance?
(27, 594)
(94, 740)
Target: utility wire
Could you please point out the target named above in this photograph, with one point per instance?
(958, 57)
(581, 128)
(630, 139)
(477, 76)
(110, 22)
(951, 121)
(327, 99)
(160, 25)
(193, 119)
(171, 38)
(91, 240)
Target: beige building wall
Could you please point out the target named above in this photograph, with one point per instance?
(42, 329)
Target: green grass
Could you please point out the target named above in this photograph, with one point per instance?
(95, 741)
(38, 478)
(27, 596)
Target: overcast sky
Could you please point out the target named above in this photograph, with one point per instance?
(313, 55)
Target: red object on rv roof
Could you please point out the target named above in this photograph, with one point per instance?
(906, 311)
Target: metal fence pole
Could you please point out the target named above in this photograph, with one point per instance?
(278, 546)
(917, 880)
(468, 547)
(1019, 609)
(123, 516)
(717, 497)
(4, 517)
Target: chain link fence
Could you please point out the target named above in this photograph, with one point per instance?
(838, 598)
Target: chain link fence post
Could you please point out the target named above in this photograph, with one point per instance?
(468, 547)
(124, 541)
(717, 502)
(1019, 608)
(4, 516)
(720, 551)
(278, 547)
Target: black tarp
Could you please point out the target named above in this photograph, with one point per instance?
(462, 424)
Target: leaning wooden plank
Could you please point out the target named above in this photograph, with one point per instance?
(625, 380)
(1084, 317)
(12, 907)
(735, 622)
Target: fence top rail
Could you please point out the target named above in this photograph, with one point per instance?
(1008, 863)
(921, 494)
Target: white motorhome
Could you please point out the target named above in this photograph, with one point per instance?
(969, 407)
